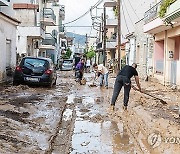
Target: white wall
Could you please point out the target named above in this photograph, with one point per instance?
(178, 74)
(7, 32)
(132, 51)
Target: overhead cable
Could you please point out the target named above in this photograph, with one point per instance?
(94, 6)
(128, 14)
(133, 9)
(125, 20)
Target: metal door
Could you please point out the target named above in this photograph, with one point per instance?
(8, 53)
(173, 72)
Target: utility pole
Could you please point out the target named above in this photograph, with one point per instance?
(104, 37)
(86, 43)
(119, 33)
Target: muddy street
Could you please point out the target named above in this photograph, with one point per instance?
(73, 118)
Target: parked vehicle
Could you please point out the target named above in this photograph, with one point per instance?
(67, 65)
(36, 71)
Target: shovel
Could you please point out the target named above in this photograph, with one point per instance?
(162, 101)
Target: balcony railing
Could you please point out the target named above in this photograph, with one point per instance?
(111, 43)
(152, 13)
(111, 22)
(49, 40)
(48, 13)
(51, 1)
(62, 12)
(173, 13)
(4, 2)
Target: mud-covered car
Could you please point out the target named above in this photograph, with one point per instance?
(35, 71)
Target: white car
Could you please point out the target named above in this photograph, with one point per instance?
(67, 65)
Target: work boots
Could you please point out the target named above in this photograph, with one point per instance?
(125, 108)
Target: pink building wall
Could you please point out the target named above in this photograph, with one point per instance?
(177, 48)
(159, 50)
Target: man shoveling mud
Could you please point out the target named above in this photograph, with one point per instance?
(124, 79)
(102, 72)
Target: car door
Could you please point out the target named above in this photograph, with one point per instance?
(54, 74)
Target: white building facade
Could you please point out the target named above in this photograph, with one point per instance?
(8, 26)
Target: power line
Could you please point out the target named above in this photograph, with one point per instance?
(133, 9)
(128, 14)
(79, 26)
(125, 20)
(94, 6)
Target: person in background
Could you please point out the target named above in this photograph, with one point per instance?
(102, 72)
(88, 65)
(124, 79)
(79, 70)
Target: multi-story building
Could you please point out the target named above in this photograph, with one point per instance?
(166, 33)
(139, 50)
(40, 30)
(8, 25)
(55, 42)
(106, 49)
(30, 32)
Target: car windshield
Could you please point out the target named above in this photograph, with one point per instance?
(30, 62)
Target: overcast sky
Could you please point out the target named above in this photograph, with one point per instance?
(75, 8)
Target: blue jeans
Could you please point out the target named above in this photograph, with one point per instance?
(105, 78)
(119, 83)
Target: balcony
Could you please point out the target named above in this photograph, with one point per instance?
(4, 2)
(51, 1)
(111, 23)
(62, 12)
(110, 4)
(173, 13)
(49, 42)
(35, 32)
(61, 32)
(48, 17)
(152, 13)
(111, 44)
(153, 24)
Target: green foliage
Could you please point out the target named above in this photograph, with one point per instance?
(163, 8)
(115, 11)
(91, 53)
(68, 53)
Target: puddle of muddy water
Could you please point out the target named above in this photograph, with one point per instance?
(39, 139)
(93, 133)
(105, 137)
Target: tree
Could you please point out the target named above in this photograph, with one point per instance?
(90, 54)
(68, 53)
